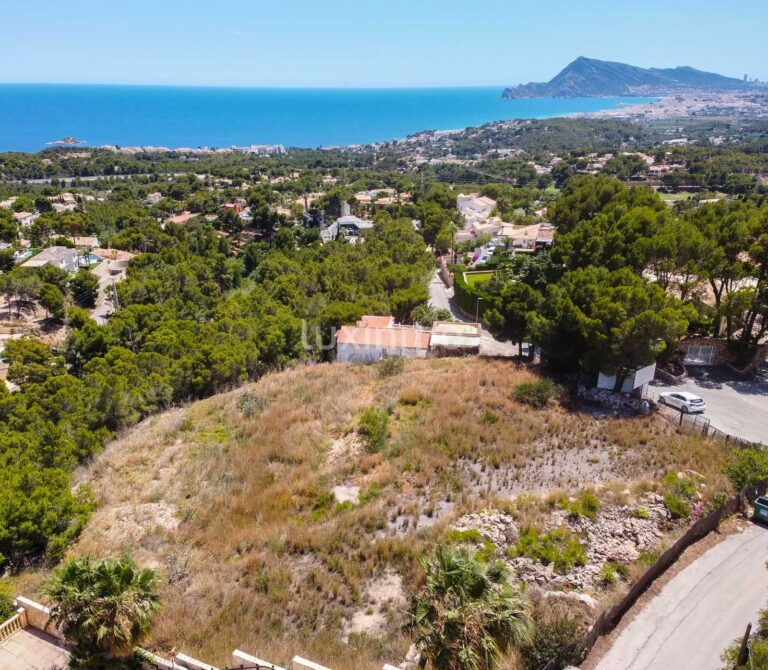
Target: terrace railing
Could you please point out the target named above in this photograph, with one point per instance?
(11, 626)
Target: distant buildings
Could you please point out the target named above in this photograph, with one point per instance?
(477, 211)
(381, 197)
(26, 219)
(179, 219)
(86, 242)
(346, 227)
(529, 238)
(475, 207)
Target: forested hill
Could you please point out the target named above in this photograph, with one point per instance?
(588, 77)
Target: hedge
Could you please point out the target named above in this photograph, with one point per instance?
(467, 296)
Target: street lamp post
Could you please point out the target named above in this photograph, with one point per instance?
(477, 310)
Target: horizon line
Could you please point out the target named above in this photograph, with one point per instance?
(338, 87)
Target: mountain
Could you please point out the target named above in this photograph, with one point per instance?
(587, 77)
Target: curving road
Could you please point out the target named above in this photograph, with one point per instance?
(700, 611)
(736, 405)
(441, 296)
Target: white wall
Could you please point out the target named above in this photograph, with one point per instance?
(356, 353)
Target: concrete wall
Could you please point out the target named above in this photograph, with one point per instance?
(300, 663)
(355, 353)
(38, 616)
(240, 658)
(192, 663)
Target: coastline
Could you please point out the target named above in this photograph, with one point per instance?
(688, 105)
(694, 104)
(33, 117)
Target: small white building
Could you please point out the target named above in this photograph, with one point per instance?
(637, 380)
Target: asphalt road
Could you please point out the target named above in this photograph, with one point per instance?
(700, 611)
(734, 405)
(441, 296)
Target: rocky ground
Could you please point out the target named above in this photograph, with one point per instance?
(618, 536)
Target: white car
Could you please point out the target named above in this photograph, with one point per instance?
(685, 402)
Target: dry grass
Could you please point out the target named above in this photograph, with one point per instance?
(230, 497)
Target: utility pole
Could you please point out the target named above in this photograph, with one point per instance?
(114, 294)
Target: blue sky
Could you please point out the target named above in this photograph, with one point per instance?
(357, 43)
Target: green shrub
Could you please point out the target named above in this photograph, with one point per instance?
(747, 467)
(608, 575)
(679, 486)
(470, 536)
(7, 610)
(537, 394)
(648, 558)
(252, 403)
(587, 505)
(559, 547)
(487, 552)
(490, 417)
(557, 641)
(374, 428)
(677, 506)
(391, 366)
(371, 493)
(342, 507)
(322, 505)
(641, 513)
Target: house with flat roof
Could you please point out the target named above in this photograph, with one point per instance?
(347, 228)
(474, 204)
(454, 338)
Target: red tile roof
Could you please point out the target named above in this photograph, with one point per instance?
(403, 337)
(376, 322)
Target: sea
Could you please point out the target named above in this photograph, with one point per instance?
(32, 116)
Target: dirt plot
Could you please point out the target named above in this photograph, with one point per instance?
(232, 498)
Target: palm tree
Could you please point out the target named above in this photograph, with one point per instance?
(466, 616)
(104, 609)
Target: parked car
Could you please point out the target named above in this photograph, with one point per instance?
(761, 509)
(684, 401)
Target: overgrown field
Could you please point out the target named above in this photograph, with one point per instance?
(288, 517)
